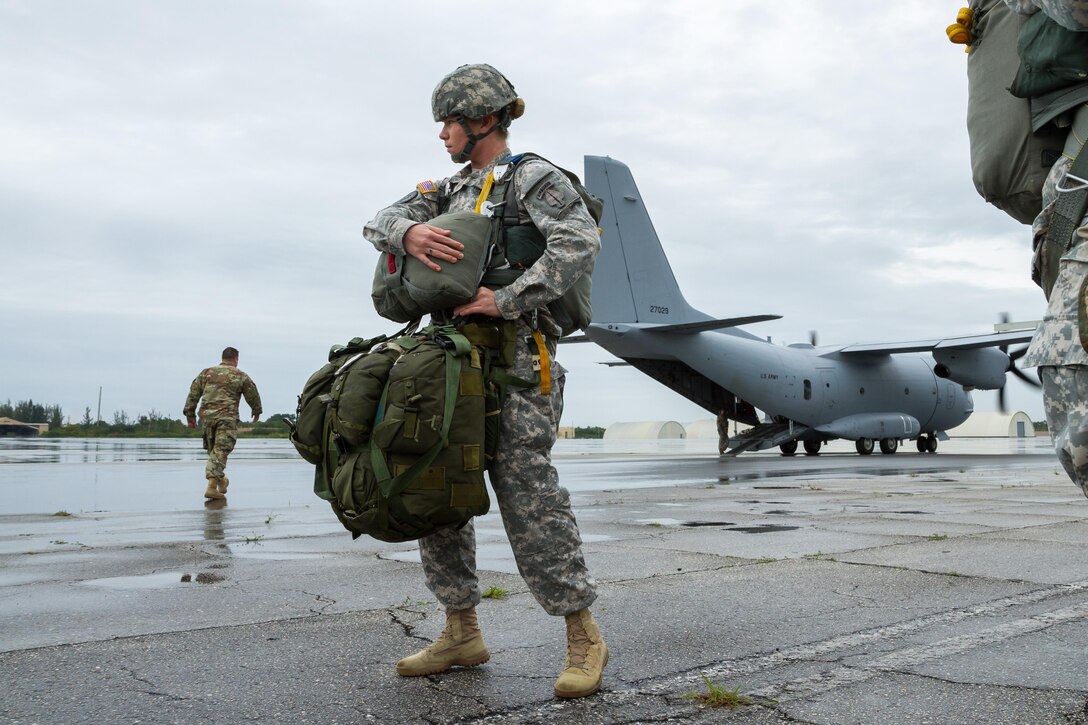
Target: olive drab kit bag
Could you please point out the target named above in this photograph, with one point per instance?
(498, 250)
(400, 429)
(1010, 158)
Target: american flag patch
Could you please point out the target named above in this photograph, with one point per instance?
(426, 187)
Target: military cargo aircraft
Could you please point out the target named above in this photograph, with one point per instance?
(872, 394)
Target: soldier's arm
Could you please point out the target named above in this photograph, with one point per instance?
(253, 398)
(570, 232)
(195, 391)
(387, 229)
(1070, 14)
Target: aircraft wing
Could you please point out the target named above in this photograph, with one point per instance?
(968, 342)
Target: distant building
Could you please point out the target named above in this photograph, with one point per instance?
(566, 431)
(12, 427)
(645, 430)
(995, 425)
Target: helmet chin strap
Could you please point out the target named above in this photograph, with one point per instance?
(462, 156)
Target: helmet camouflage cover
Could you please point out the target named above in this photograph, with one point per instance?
(472, 91)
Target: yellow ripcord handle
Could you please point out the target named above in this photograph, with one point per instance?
(545, 364)
(960, 31)
(485, 192)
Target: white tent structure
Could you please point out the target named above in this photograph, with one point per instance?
(645, 430)
(995, 425)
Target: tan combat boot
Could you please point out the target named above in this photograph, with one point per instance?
(461, 643)
(212, 491)
(222, 485)
(587, 654)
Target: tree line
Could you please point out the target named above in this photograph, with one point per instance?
(152, 424)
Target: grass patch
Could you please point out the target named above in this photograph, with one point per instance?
(718, 696)
(62, 513)
(254, 539)
(938, 537)
(494, 593)
(270, 519)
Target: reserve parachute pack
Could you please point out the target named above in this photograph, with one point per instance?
(401, 429)
(498, 250)
(1010, 155)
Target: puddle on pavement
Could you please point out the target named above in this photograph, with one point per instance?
(253, 551)
(707, 523)
(659, 522)
(158, 580)
(762, 529)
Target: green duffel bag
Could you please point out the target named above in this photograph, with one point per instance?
(405, 289)
(422, 469)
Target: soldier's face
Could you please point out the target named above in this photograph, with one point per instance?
(453, 135)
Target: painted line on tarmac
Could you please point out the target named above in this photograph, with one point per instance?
(902, 659)
(817, 650)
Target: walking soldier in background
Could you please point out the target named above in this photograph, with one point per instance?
(218, 389)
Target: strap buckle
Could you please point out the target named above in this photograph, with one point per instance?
(1081, 184)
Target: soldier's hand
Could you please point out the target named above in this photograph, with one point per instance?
(256, 418)
(427, 243)
(191, 422)
(482, 303)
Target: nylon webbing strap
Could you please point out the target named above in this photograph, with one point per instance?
(1070, 207)
(544, 362)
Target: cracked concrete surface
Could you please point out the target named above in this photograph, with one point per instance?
(955, 598)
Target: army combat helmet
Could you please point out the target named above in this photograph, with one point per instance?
(473, 91)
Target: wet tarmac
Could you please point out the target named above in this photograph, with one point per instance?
(885, 589)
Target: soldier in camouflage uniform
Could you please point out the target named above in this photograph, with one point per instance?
(220, 387)
(475, 105)
(1057, 346)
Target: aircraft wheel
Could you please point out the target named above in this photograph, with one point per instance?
(864, 446)
(812, 448)
(788, 449)
(931, 444)
(889, 445)
(922, 444)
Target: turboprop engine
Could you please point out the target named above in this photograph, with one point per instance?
(980, 367)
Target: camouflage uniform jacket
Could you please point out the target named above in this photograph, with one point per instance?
(545, 198)
(221, 387)
(1057, 341)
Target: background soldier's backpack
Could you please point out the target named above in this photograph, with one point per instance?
(1009, 159)
(396, 429)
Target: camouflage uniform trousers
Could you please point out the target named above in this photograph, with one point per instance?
(535, 509)
(219, 439)
(1065, 399)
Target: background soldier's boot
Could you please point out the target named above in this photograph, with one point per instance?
(461, 643)
(587, 655)
(222, 485)
(212, 490)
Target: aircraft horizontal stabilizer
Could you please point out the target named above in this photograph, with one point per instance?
(969, 342)
(704, 325)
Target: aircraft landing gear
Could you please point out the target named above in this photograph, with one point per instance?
(927, 444)
(812, 448)
(889, 445)
(864, 446)
(788, 449)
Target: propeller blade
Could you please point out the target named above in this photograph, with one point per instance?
(1026, 378)
(1001, 399)
(812, 337)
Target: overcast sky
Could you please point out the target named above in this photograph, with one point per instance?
(179, 177)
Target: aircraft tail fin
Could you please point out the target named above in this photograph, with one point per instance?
(632, 280)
